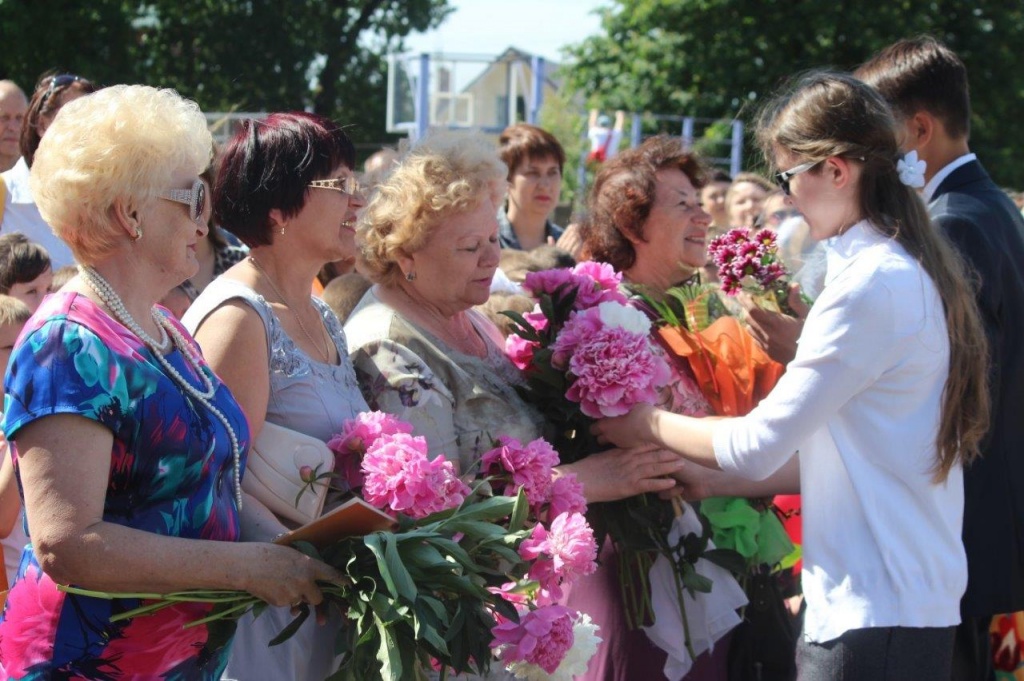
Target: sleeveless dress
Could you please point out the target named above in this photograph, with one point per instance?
(171, 473)
(313, 398)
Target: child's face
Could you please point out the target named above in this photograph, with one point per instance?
(32, 292)
(8, 334)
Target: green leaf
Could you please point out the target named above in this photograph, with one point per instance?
(523, 328)
(389, 654)
(519, 512)
(292, 627)
(392, 570)
(495, 508)
(427, 625)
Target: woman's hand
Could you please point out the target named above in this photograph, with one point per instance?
(632, 430)
(694, 483)
(283, 576)
(621, 473)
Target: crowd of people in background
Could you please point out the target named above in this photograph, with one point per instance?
(164, 301)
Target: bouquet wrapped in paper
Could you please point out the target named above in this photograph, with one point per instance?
(586, 354)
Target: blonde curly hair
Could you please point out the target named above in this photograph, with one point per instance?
(445, 174)
(122, 142)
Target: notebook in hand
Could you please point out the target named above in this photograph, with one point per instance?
(354, 518)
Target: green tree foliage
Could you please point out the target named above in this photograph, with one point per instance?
(720, 58)
(242, 55)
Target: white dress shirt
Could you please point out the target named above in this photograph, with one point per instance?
(861, 403)
(929, 189)
(21, 215)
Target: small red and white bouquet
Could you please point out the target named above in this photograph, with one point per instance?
(748, 261)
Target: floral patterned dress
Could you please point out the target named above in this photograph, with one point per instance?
(170, 473)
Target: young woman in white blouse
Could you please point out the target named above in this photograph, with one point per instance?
(882, 405)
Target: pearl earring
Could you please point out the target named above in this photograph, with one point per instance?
(138, 234)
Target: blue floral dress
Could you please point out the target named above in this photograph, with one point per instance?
(171, 473)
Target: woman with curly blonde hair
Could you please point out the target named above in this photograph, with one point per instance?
(429, 241)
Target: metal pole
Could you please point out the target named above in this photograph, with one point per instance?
(537, 96)
(687, 132)
(736, 153)
(635, 131)
(423, 98)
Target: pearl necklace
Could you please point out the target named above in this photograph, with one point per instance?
(326, 352)
(170, 333)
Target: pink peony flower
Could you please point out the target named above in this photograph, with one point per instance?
(572, 546)
(541, 637)
(615, 370)
(594, 282)
(581, 325)
(524, 466)
(520, 351)
(560, 555)
(399, 477)
(566, 496)
(356, 436)
(549, 281)
(598, 283)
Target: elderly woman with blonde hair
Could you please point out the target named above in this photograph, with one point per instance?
(127, 447)
(429, 241)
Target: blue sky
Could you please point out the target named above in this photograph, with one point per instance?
(487, 27)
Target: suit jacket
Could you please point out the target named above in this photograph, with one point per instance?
(988, 230)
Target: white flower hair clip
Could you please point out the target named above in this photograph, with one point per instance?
(911, 170)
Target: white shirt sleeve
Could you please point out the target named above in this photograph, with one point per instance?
(847, 342)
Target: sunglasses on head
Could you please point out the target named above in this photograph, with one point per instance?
(61, 80)
(194, 198)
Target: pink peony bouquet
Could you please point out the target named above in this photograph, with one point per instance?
(585, 352)
(466, 577)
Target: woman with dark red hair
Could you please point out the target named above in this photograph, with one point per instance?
(286, 187)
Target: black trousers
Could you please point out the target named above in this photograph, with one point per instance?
(879, 654)
(972, 651)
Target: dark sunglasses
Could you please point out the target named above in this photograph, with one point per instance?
(62, 80)
(785, 176)
(194, 198)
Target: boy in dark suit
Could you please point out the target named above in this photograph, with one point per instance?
(926, 84)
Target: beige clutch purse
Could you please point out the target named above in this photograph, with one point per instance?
(272, 472)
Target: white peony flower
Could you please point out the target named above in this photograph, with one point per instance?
(625, 317)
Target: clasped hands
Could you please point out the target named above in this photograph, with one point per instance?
(633, 434)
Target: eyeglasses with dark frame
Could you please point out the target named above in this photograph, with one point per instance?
(346, 185)
(194, 198)
(785, 176)
(56, 82)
